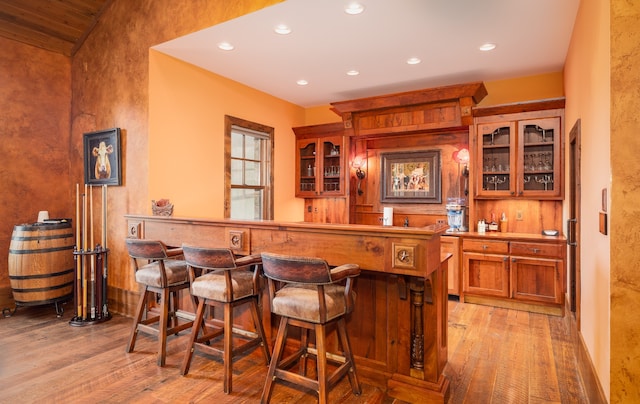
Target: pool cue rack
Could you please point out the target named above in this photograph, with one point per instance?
(91, 262)
(90, 297)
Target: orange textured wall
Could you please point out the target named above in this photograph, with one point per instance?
(110, 87)
(186, 142)
(520, 89)
(34, 131)
(625, 195)
(588, 73)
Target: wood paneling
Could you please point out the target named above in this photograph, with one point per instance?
(403, 301)
(59, 26)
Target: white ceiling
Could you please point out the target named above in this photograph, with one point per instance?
(532, 37)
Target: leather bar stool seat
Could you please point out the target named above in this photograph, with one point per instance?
(306, 293)
(219, 279)
(164, 274)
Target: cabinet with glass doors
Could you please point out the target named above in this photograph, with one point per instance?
(320, 165)
(519, 158)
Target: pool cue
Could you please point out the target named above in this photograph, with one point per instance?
(103, 256)
(92, 256)
(76, 257)
(98, 286)
(104, 220)
(84, 249)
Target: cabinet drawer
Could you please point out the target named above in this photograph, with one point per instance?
(537, 249)
(486, 246)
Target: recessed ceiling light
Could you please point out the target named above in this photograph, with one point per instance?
(302, 82)
(487, 47)
(413, 61)
(353, 73)
(282, 29)
(354, 8)
(225, 46)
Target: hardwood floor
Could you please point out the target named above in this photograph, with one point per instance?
(495, 356)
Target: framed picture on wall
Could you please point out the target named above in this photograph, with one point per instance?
(411, 177)
(102, 157)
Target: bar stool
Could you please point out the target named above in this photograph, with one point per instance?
(162, 275)
(307, 293)
(224, 281)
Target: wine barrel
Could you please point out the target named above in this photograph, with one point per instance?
(41, 264)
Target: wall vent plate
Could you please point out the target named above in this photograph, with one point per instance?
(549, 232)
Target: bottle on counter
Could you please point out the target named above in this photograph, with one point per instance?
(503, 223)
(493, 225)
(482, 227)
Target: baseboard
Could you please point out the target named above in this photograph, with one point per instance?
(590, 380)
(122, 301)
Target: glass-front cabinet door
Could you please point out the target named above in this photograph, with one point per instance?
(539, 158)
(496, 160)
(320, 169)
(520, 159)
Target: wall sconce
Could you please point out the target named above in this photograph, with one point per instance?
(358, 163)
(462, 157)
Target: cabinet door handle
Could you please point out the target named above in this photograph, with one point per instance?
(570, 235)
(521, 193)
(513, 193)
(535, 250)
(484, 247)
(512, 259)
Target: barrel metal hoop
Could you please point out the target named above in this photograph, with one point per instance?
(41, 302)
(40, 276)
(41, 250)
(64, 285)
(49, 237)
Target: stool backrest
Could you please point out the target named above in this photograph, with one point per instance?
(146, 249)
(209, 258)
(289, 268)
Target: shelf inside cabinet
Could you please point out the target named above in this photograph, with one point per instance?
(538, 157)
(332, 166)
(496, 158)
(320, 156)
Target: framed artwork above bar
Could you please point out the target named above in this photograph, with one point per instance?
(411, 177)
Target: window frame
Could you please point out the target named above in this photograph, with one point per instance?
(229, 123)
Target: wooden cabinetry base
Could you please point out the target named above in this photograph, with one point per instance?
(511, 304)
(408, 389)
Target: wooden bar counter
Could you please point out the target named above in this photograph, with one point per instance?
(398, 328)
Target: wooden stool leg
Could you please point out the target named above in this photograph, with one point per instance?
(197, 323)
(346, 346)
(162, 333)
(321, 364)
(260, 329)
(277, 354)
(139, 312)
(304, 347)
(228, 347)
(196, 304)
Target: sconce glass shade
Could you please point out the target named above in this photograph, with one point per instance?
(461, 156)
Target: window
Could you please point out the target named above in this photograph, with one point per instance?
(248, 170)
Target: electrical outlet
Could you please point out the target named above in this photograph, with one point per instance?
(441, 221)
(519, 215)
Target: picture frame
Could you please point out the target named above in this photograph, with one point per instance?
(411, 177)
(102, 156)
